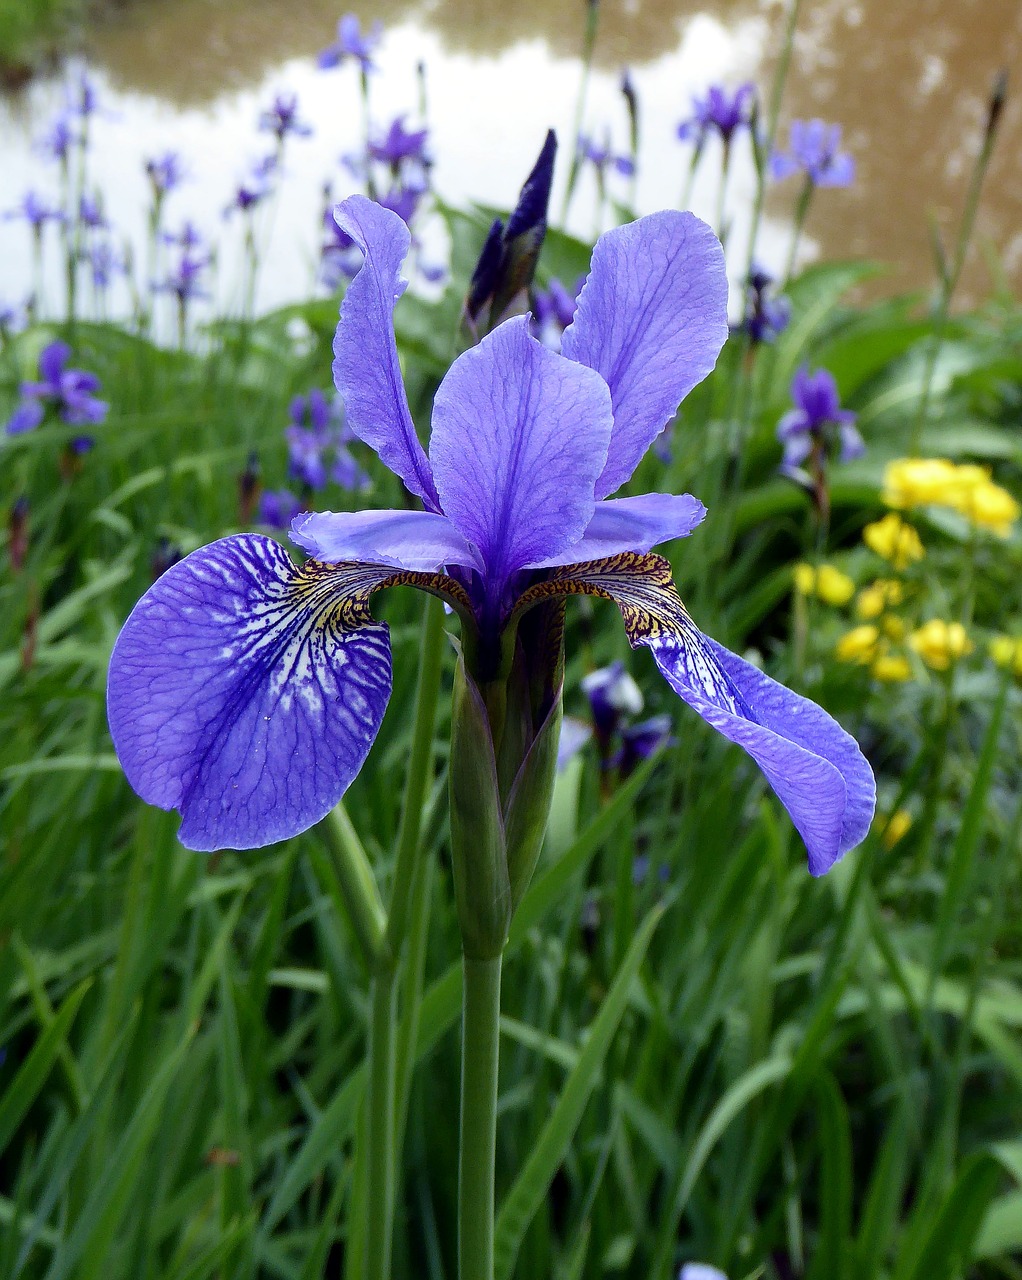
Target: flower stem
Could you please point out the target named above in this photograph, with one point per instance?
(480, 1035)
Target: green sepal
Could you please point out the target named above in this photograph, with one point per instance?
(528, 805)
(481, 886)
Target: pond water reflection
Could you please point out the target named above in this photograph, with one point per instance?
(908, 82)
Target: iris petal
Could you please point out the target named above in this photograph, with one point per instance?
(816, 768)
(246, 693)
(651, 318)
(519, 437)
(407, 539)
(632, 524)
(367, 372)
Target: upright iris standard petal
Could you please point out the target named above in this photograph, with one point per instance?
(816, 769)
(367, 371)
(519, 438)
(632, 524)
(246, 693)
(651, 318)
(417, 540)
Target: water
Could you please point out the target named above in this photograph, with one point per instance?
(908, 82)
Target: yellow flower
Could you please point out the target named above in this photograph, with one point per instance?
(893, 626)
(966, 488)
(991, 507)
(891, 668)
(830, 584)
(878, 597)
(914, 482)
(894, 827)
(940, 643)
(858, 645)
(1006, 651)
(894, 540)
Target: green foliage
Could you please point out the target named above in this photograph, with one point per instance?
(789, 1077)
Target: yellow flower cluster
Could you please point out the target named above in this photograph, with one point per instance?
(893, 540)
(880, 596)
(1006, 651)
(965, 487)
(828, 583)
(940, 643)
(867, 647)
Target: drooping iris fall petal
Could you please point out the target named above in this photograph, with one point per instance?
(246, 693)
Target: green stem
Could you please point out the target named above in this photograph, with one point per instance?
(480, 1034)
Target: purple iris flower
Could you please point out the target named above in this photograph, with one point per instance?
(601, 157)
(813, 149)
(815, 420)
(58, 139)
(246, 692)
(13, 317)
(35, 211)
(67, 391)
(189, 237)
(351, 43)
(165, 172)
(90, 213)
(307, 438)
(277, 508)
(399, 144)
(553, 309)
(719, 112)
(281, 119)
(640, 741)
(613, 694)
(311, 437)
(83, 98)
(105, 262)
(185, 278)
(765, 317)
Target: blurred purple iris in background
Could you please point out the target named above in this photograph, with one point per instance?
(765, 317)
(36, 211)
(278, 507)
(600, 156)
(813, 149)
(553, 309)
(246, 692)
(281, 118)
(57, 141)
(399, 144)
(351, 43)
(315, 433)
(165, 172)
(719, 112)
(817, 422)
(67, 392)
